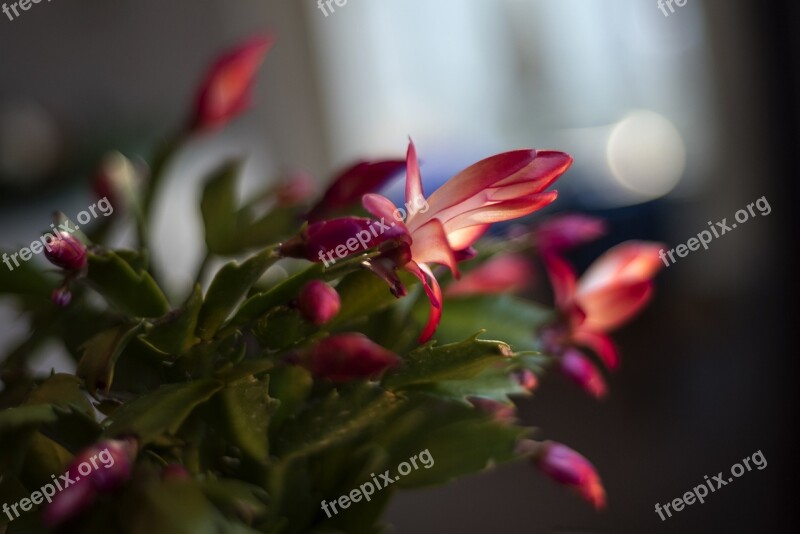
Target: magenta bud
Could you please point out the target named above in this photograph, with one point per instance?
(318, 302)
(68, 503)
(500, 412)
(583, 372)
(106, 465)
(61, 297)
(330, 241)
(526, 379)
(66, 252)
(351, 356)
(570, 468)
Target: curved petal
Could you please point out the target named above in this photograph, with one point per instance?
(610, 307)
(580, 369)
(501, 211)
(563, 279)
(627, 263)
(600, 344)
(568, 231)
(413, 178)
(430, 245)
(434, 292)
(464, 238)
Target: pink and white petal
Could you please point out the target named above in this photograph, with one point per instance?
(600, 344)
(506, 273)
(434, 292)
(563, 279)
(477, 177)
(464, 238)
(381, 208)
(542, 171)
(611, 307)
(628, 262)
(501, 211)
(430, 245)
(413, 177)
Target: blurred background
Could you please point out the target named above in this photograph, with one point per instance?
(673, 121)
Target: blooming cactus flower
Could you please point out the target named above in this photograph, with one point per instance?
(318, 302)
(506, 273)
(66, 252)
(614, 289)
(350, 356)
(225, 92)
(101, 468)
(499, 188)
(563, 232)
(570, 468)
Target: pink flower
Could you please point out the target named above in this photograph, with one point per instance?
(318, 302)
(570, 468)
(350, 356)
(613, 290)
(507, 273)
(225, 92)
(564, 232)
(66, 252)
(498, 188)
(353, 183)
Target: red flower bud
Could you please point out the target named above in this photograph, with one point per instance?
(583, 372)
(570, 468)
(526, 379)
(352, 356)
(318, 302)
(66, 252)
(68, 504)
(353, 183)
(225, 92)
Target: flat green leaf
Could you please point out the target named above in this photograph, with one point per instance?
(290, 386)
(161, 412)
(218, 206)
(496, 383)
(100, 355)
(246, 407)
(230, 286)
(456, 361)
(25, 279)
(175, 333)
(505, 317)
(340, 416)
(235, 498)
(133, 291)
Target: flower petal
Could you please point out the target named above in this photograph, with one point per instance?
(500, 211)
(429, 245)
(610, 307)
(434, 292)
(413, 178)
(567, 231)
(629, 262)
(563, 279)
(463, 238)
(507, 273)
(600, 344)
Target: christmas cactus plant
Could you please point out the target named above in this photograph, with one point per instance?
(347, 348)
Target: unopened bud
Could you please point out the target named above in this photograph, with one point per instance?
(583, 372)
(570, 468)
(351, 356)
(67, 252)
(318, 302)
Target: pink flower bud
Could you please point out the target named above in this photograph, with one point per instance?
(500, 412)
(564, 232)
(225, 92)
(351, 356)
(297, 188)
(61, 297)
(330, 241)
(66, 252)
(102, 467)
(352, 184)
(583, 372)
(318, 302)
(570, 468)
